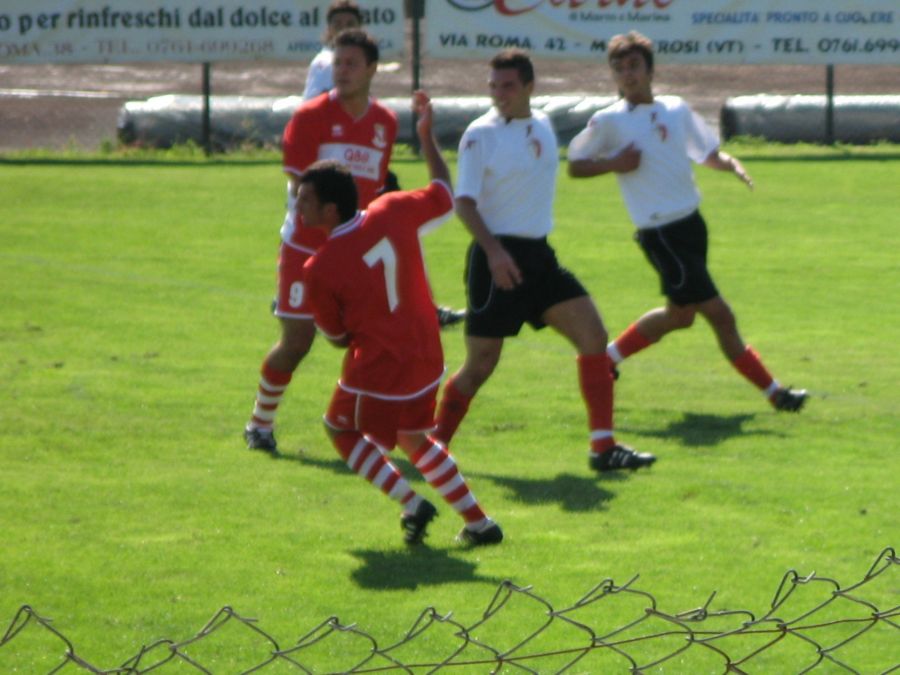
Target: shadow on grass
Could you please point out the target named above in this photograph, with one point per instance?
(413, 567)
(335, 464)
(703, 430)
(572, 493)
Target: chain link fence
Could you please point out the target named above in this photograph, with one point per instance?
(812, 624)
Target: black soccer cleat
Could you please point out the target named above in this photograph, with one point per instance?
(260, 439)
(620, 457)
(415, 524)
(492, 534)
(447, 316)
(789, 400)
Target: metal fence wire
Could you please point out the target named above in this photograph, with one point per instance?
(812, 624)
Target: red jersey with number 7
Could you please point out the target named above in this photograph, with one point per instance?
(322, 129)
(368, 282)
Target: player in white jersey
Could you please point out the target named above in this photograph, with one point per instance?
(341, 15)
(506, 182)
(650, 143)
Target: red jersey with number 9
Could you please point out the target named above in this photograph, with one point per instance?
(322, 129)
(368, 282)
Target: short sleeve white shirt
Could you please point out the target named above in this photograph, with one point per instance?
(509, 168)
(319, 77)
(670, 135)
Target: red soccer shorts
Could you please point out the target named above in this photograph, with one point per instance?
(291, 301)
(381, 419)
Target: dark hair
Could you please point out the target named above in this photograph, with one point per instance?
(333, 184)
(356, 37)
(341, 6)
(517, 59)
(628, 43)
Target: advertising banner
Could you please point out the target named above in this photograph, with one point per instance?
(101, 31)
(684, 31)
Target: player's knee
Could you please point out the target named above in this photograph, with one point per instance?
(296, 345)
(721, 317)
(593, 344)
(681, 317)
(477, 371)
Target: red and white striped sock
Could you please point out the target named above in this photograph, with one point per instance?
(272, 385)
(439, 468)
(372, 463)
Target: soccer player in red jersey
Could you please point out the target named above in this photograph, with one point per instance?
(369, 293)
(347, 125)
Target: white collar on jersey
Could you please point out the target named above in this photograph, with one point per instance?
(634, 106)
(333, 95)
(349, 226)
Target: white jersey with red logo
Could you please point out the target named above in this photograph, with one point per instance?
(669, 135)
(320, 75)
(509, 168)
(322, 129)
(368, 282)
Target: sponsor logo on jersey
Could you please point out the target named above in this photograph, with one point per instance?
(363, 162)
(379, 141)
(337, 130)
(659, 127)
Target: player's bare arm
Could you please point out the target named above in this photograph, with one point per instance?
(504, 271)
(437, 167)
(722, 161)
(340, 342)
(626, 160)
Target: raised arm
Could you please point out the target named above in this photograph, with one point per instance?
(437, 167)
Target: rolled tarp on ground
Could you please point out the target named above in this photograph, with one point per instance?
(164, 121)
(802, 118)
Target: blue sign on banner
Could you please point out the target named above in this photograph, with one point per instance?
(684, 31)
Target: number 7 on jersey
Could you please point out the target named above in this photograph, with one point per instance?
(384, 252)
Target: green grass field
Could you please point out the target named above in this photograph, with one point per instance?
(135, 317)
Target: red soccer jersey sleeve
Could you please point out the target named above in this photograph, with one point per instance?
(368, 281)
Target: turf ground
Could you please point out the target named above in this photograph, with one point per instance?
(135, 317)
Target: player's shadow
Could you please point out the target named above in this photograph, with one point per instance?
(338, 466)
(694, 430)
(413, 567)
(335, 464)
(572, 493)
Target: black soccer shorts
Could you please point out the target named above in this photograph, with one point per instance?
(492, 312)
(677, 252)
